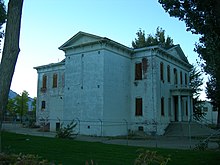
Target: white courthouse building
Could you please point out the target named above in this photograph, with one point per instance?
(110, 89)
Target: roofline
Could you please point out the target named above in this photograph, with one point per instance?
(50, 65)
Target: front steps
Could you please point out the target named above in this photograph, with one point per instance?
(187, 129)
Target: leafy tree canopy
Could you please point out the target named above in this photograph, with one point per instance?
(152, 40)
(196, 82)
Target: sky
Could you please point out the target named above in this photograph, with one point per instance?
(47, 24)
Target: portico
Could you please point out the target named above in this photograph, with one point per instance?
(181, 103)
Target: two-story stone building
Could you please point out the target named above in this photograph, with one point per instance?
(110, 89)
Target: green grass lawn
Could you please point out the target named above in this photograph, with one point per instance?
(70, 152)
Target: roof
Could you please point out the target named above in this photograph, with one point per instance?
(83, 39)
(50, 65)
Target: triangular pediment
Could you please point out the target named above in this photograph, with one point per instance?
(178, 53)
(80, 38)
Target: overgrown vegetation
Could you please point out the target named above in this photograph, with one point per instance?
(68, 152)
(67, 131)
(147, 157)
(21, 159)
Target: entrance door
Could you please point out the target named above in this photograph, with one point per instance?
(175, 98)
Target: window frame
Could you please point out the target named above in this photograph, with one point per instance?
(138, 106)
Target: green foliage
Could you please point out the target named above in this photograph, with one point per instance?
(147, 157)
(67, 151)
(18, 105)
(66, 131)
(152, 40)
(22, 159)
(202, 146)
(2, 16)
(196, 81)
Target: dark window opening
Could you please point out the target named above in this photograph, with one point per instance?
(161, 72)
(175, 76)
(186, 108)
(162, 106)
(43, 105)
(138, 104)
(57, 126)
(54, 80)
(186, 80)
(141, 128)
(181, 78)
(168, 73)
(138, 71)
(44, 85)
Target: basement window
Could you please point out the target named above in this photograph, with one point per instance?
(43, 105)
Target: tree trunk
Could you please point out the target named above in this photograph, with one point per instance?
(10, 52)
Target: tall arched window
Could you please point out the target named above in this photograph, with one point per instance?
(175, 76)
(186, 79)
(168, 73)
(44, 84)
(181, 77)
(161, 72)
(54, 80)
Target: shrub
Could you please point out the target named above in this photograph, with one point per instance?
(66, 131)
(22, 159)
(150, 157)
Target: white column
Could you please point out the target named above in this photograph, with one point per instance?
(179, 108)
(189, 107)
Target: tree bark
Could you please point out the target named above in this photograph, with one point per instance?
(10, 52)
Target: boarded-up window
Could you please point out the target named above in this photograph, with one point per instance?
(138, 71)
(168, 73)
(43, 105)
(44, 85)
(162, 106)
(181, 78)
(161, 72)
(175, 76)
(138, 110)
(54, 80)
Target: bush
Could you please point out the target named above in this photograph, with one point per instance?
(21, 159)
(66, 131)
(150, 157)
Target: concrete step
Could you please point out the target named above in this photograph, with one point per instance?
(193, 129)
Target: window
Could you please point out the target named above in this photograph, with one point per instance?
(44, 85)
(186, 108)
(168, 73)
(175, 76)
(55, 80)
(161, 72)
(181, 77)
(138, 111)
(186, 80)
(43, 105)
(162, 106)
(138, 71)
